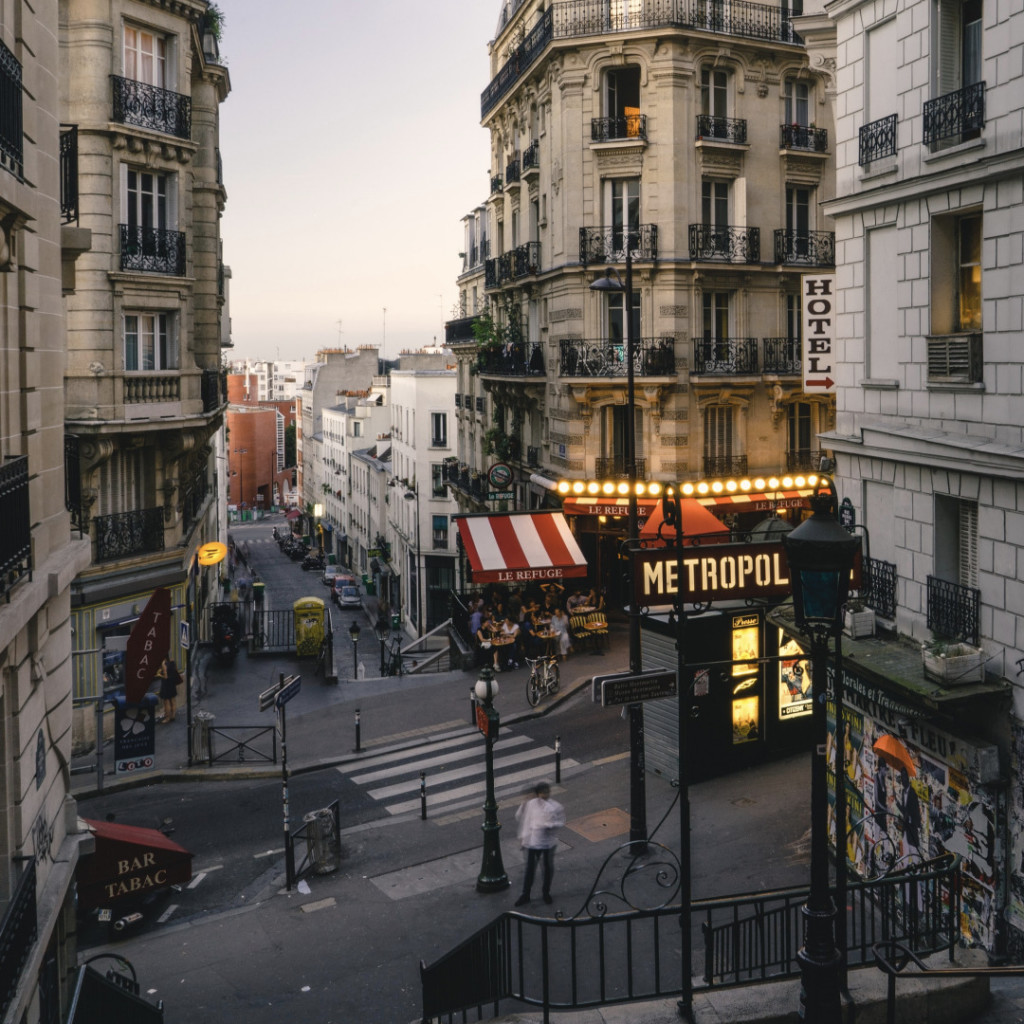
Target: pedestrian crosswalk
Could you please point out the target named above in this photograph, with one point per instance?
(455, 773)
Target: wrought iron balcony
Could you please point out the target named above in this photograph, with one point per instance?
(518, 63)
(73, 483)
(953, 610)
(512, 171)
(652, 357)
(726, 244)
(491, 273)
(725, 465)
(803, 460)
(18, 934)
(782, 355)
(805, 137)
(69, 173)
(958, 115)
(462, 478)
(609, 245)
(148, 106)
(878, 586)
(496, 183)
(531, 157)
(461, 330)
(611, 466)
(721, 129)
(211, 390)
(629, 126)
(126, 534)
(12, 143)
(955, 358)
(532, 456)
(526, 259)
(516, 359)
(152, 250)
(877, 139)
(16, 535)
(806, 248)
(724, 357)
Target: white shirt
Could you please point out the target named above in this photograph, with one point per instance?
(539, 819)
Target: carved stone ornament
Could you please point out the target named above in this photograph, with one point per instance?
(676, 311)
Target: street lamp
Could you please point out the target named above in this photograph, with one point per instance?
(414, 495)
(637, 782)
(353, 632)
(492, 875)
(381, 629)
(820, 554)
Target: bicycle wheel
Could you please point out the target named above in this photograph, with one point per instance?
(552, 678)
(533, 690)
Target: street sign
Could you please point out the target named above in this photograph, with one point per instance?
(487, 723)
(184, 636)
(634, 689)
(501, 495)
(818, 295)
(268, 696)
(290, 688)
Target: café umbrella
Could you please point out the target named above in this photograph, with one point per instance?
(894, 753)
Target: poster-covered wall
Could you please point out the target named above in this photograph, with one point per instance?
(946, 800)
(1015, 896)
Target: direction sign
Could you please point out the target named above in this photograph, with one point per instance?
(268, 696)
(634, 689)
(184, 636)
(291, 687)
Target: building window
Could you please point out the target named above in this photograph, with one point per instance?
(622, 93)
(714, 93)
(614, 442)
(439, 430)
(718, 440)
(797, 103)
(622, 211)
(954, 345)
(715, 316)
(145, 57)
(11, 135)
(437, 480)
(357, 428)
(799, 430)
(714, 206)
(968, 257)
(440, 533)
(150, 342)
(616, 319)
(956, 540)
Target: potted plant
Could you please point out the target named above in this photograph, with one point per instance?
(858, 619)
(953, 662)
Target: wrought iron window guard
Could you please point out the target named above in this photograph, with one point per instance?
(522, 261)
(724, 356)
(877, 139)
(629, 126)
(725, 465)
(73, 500)
(460, 330)
(801, 136)
(728, 244)
(878, 586)
(16, 536)
(149, 106)
(512, 171)
(152, 250)
(69, 173)
(126, 534)
(612, 466)
(532, 456)
(955, 358)
(652, 357)
(496, 183)
(953, 610)
(12, 144)
(721, 129)
(807, 248)
(782, 355)
(609, 244)
(803, 460)
(531, 156)
(516, 359)
(211, 390)
(957, 115)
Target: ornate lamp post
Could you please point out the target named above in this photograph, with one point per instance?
(381, 630)
(492, 875)
(353, 632)
(820, 555)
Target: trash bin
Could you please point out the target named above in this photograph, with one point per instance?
(202, 736)
(332, 559)
(324, 854)
(257, 593)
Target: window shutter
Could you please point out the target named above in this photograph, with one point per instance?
(968, 544)
(948, 69)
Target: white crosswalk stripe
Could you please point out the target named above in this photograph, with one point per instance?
(454, 769)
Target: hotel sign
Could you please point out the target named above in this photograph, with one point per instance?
(818, 294)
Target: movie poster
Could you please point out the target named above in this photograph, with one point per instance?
(745, 644)
(794, 680)
(745, 718)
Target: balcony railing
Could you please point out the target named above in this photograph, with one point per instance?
(609, 245)
(146, 388)
(211, 390)
(805, 137)
(617, 465)
(953, 610)
(727, 244)
(532, 456)
(126, 534)
(954, 358)
(725, 465)
(957, 115)
(461, 477)
(782, 355)
(803, 460)
(806, 248)
(18, 933)
(69, 173)
(878, 586)
(722, 129)
(629, 126)
(512, 171)
(725, 357)
(526, 259)
(573, 18)
(148, 106)
(496, 183)
(12, 142)
(877, 139)
(531, 157)
(652, 357)
(517, 359)
(73, 483)
(152, 250)
(460, 330)
(16, 535)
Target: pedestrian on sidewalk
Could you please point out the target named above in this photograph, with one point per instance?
(539, 819)
(169, 677)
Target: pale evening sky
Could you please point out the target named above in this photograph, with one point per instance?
(352, 148)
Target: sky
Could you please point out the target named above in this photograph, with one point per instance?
(352, 149)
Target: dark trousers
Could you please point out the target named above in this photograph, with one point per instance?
(532, 856)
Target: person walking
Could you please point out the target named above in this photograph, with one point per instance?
(539, 819)
(169, 677)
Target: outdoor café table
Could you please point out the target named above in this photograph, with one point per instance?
(547, 635)
(502, 643)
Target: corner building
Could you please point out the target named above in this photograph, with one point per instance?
(696, 138)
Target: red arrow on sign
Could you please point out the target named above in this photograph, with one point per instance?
(826, 383)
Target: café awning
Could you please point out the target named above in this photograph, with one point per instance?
(517, 547)
(697, 521)
(128, 861)
(606, 506)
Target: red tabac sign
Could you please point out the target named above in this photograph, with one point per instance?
(147, 646)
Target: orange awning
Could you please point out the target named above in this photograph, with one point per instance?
(697, 521)
(598, 506)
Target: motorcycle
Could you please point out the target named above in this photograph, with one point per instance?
(225, 634)
(313, 562)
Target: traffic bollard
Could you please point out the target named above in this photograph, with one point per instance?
(358, 747)
(423, 795)
(558, 759)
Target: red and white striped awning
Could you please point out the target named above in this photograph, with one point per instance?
(520, 546)
(765, 501)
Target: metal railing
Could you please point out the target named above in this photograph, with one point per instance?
(532, 456)
(876, 140)
(149, 106)
(152, 250)
(210, 387)
(803, 460)
(272, 631)
(953, 610)
(526, 259)
(806, 248)
(16, 535)
(725, 465)
(460, 330)
(73, 499)
(618, 466)
(652, 357)
(956, 115)
(512, 171)
(151, 387)
(126, 534)
(531, 156)
(627, 126)
(782, 355)
(517, 64)
(609, 244)
(722, 129)
(18, 932)
(242, 743)
(12, 141)
(728, 243)
(806, 137)
(955, 358)
(69, 173)
(878, 586)
(516, 359)
(496, 183)
(724, 356)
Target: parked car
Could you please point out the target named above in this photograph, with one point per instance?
(342, 582)
(330, 574)
(348, 597)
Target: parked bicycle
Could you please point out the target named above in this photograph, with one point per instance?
(543, 678)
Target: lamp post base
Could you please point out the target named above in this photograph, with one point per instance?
(492, 877)
(819, 961)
